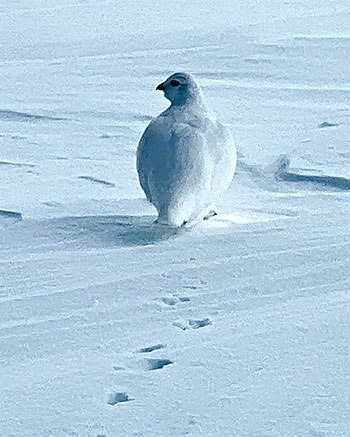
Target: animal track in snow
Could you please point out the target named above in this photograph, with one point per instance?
(145, 350)
(193, 324)
(52, 204)
(200, 323)
(156, 363)
(169, 301)
(118, 368)
(172, 301)
(134, 365)
(117, 398)
(325, 124)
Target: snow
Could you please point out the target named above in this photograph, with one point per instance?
(111, 326)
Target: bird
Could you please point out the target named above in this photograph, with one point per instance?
(185, 159)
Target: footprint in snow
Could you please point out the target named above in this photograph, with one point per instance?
(149, 349)
(325, 124)
(172, 301)
(118, 398)
(133, 364)
(156, 363)
(193, 324)
(118, 368)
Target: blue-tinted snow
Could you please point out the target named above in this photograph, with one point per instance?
(86, 280)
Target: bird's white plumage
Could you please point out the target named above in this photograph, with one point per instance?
(185, 159)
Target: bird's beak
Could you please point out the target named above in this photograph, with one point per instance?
(160, 87)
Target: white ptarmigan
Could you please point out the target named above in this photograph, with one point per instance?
(185, 159)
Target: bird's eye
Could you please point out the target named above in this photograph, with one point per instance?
(174, 83)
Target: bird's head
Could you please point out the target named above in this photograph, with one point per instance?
(181, 88)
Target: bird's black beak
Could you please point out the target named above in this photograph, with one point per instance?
(160, 87)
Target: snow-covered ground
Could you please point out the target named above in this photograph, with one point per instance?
(110, 326)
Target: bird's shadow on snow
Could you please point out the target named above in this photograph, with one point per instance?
(110, 231)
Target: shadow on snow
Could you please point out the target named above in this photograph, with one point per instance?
(114, 230)
(75, 233)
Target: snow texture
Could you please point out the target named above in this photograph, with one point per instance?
(112, 326)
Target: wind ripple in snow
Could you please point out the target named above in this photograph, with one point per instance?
(9, 217)
(10, 214)
(16, 164)
(280, 170)
(97, 181)
(8, 115)
(283, 172)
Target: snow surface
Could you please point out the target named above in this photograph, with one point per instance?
(111, 326)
